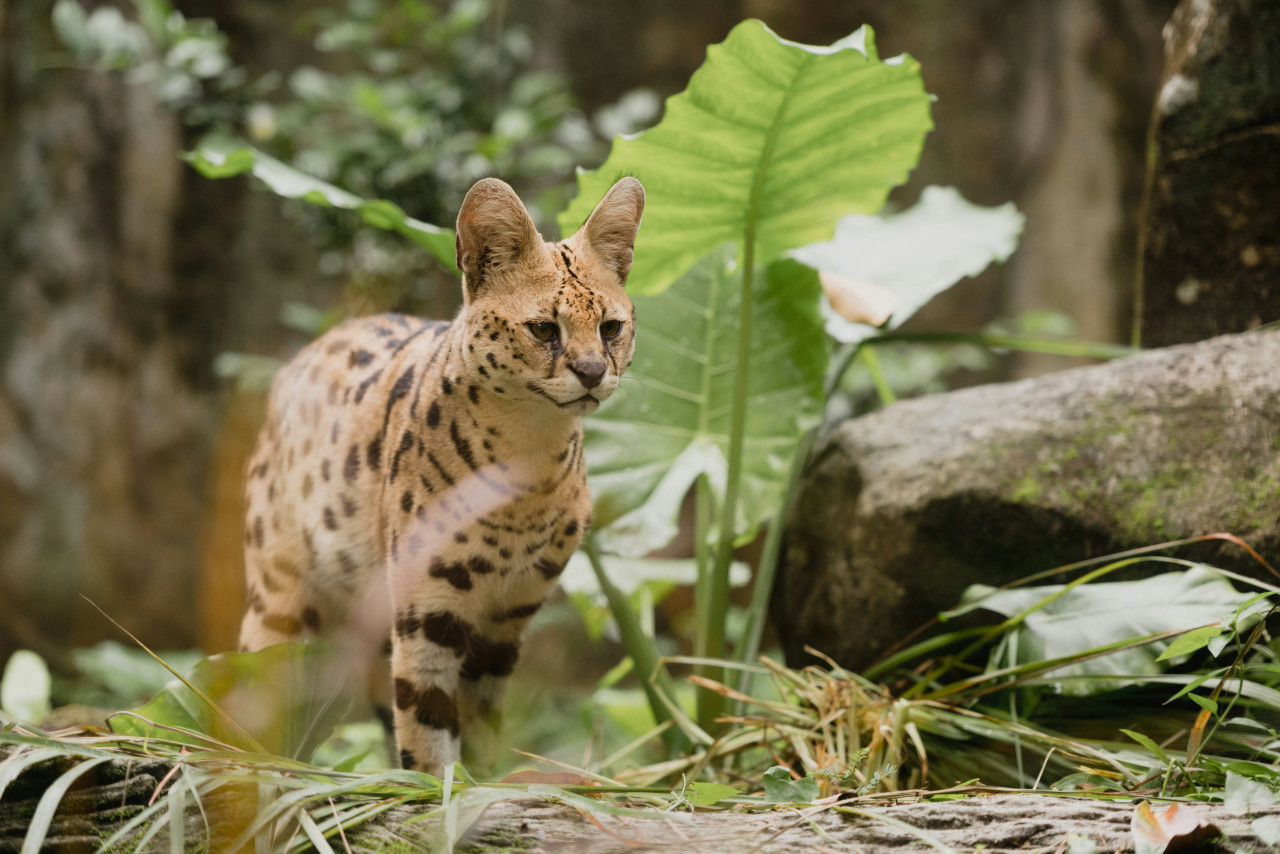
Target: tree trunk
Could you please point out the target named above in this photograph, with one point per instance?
(123, 274)
(1211, 259)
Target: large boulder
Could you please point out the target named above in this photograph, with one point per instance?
(904, 508)
(1211, 261)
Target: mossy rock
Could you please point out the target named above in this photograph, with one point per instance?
(901, 510)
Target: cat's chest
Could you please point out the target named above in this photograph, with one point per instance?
(467, 504)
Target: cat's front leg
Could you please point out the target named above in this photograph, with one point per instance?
(426, 663)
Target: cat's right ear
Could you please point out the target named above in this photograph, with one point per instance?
(494, 231)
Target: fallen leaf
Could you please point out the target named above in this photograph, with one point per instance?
(1178, 827)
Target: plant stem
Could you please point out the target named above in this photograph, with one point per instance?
(872, 361)
(704, 512)
(719, 607)
(843, 359)
(639, 647)
(749, 647)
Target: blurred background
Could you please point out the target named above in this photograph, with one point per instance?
(144, 307)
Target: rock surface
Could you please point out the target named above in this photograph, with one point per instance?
(904, 508)
(1211, 259)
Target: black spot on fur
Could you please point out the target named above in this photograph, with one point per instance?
(407, 622)
(486, 658)
(550, 569)
(406, 502)
(446, 630)
(406, 443)
(311, 618)
(571, 528)
(351, 468)
(435, 463)
(346, 563)
(405, 694)
(479, 566)
(520, 612)
(454, 573)
(433, 415)
(400, 390)
(330, 520)
(364, 386)
(359, 358)
(437, 710)
(375, 453)
(462, 446)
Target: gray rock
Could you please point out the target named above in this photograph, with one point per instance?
(1210, 261)
(904, 508)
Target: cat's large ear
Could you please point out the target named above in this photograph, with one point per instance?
(611, 229)
(494, 231)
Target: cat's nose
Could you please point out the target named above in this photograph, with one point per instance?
(588, 371)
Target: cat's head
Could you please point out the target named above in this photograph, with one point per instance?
(547, 322)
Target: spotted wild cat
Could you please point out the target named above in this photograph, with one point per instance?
(447, 456)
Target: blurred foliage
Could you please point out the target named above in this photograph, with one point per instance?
(409, 101)
(112, 675)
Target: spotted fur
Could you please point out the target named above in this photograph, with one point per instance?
(439, 466)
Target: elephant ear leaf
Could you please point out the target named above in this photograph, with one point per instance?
(771, 143)
(669, 423)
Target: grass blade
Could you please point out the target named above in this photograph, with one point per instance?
(313, 832)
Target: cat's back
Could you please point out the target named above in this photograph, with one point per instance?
(311, 491)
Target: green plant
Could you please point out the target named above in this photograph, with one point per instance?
(1082, 686)
(732, 372)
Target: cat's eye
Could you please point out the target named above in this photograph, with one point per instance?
(610, 328)
(544, 330)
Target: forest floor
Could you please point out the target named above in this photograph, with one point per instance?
(120, 790)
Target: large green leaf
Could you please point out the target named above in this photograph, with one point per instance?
(668, 423)
(214, 160)
(285, 698)
(772, 141)
(1092, 615)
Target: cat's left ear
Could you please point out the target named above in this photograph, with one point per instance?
(610, 231)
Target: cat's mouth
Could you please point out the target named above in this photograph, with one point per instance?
(586, 403)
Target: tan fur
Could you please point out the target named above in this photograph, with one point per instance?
(439, 466)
